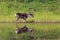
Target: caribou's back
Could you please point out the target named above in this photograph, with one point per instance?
(22, 15)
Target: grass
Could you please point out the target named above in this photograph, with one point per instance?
(41, 13)
(41, 31)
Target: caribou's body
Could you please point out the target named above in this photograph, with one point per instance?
(23, 16)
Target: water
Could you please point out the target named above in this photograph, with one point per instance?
(41, 31)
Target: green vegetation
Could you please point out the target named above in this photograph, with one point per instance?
(41, 31)
(42, 9)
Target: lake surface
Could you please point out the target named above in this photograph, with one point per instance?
(41, 31)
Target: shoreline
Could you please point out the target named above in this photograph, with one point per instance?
(31, 22)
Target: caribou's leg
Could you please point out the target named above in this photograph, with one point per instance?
(17, 18)
(18, 30)
(25, 22)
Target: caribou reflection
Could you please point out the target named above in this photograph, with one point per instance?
(23, 29)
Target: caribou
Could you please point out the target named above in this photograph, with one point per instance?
(23, 16)
(24, 29)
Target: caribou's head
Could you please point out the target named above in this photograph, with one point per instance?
(31, 15)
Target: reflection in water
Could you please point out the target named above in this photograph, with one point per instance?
(49, 31)
(23, 29)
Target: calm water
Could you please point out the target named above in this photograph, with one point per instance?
(41, 31)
